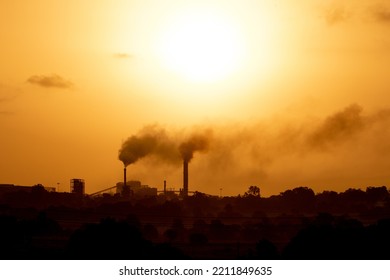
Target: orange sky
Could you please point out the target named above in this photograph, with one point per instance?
(294, 92)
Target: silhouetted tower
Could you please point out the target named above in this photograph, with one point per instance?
(77, 186)
(126, 188)
(165, 187)
(185, 178)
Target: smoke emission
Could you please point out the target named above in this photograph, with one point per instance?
(136, 147)
(197, 142)
(151, 140)
(338, 127)
(154, 141)
(273, 154)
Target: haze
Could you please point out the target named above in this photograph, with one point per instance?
(289, 93)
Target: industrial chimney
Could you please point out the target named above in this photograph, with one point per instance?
(185, 178)
(126, 189)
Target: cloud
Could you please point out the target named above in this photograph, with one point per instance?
(5, 113)
(53, 80)
(336, 15)
(122, 55)
(381, 13)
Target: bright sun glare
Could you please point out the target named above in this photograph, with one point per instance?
(201, 47)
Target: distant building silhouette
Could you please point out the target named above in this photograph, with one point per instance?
(136, 188)
(77, 186)
(9, 188)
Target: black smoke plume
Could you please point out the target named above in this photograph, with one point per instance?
(197, 142)
(267, 152)
(151, 140)
(135, 148)
(342, 125)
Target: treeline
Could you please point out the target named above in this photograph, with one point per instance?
(296, 224)
(374, 200)
(300, 200)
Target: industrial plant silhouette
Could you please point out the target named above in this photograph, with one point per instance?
(134, 221)
(39, 223)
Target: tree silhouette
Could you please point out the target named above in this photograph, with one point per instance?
(252, 191)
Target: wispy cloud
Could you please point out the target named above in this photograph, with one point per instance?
(5, 113)
(336, 14)
(50, 81)
(381, 13)
(122, 55)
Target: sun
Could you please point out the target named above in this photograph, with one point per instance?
(201, 46)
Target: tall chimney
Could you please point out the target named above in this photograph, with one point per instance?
(124, 177)
(165, 187)
(126, 189)
(185, 178)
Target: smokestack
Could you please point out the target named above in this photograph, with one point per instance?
(165, 187)
(185, 178)
(126, 189)
(124, 177)
(197, 142)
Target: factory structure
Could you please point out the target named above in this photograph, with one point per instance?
(136, 147)
(135, 188)
(130, 188)
(126, 189)
(77, 186)
(10, 188)
(156, 142)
